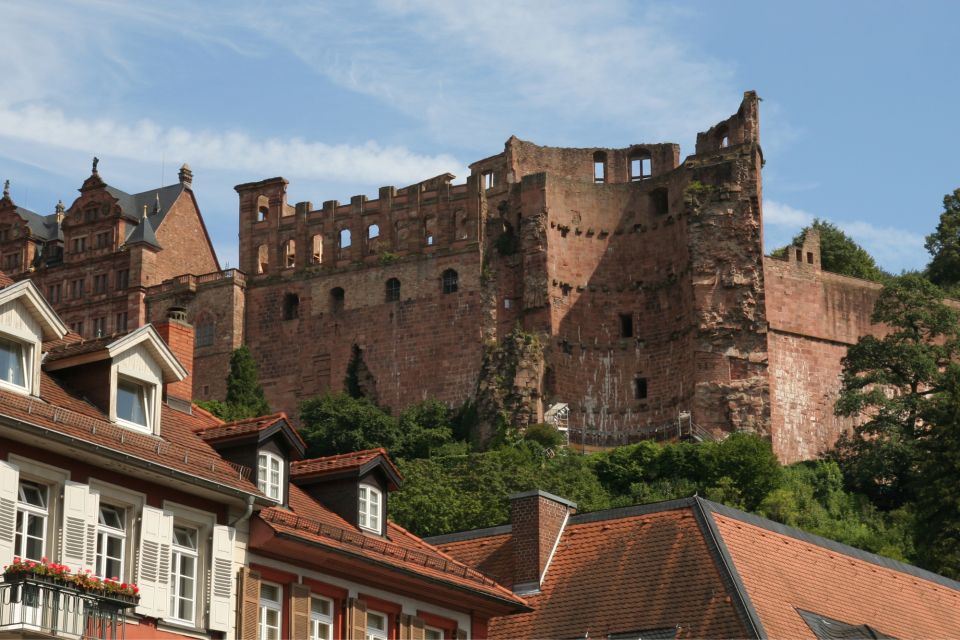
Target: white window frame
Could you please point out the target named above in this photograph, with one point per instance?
(132, 503)
(149, 393)
(368, 517)
(373, 633)
(177, 552)
(54, 478)
(203, 522)
(265, 460)
(428, 630)
(27, 349)
(26, 511)
(318, 619)
(106, 531)
(266, 605)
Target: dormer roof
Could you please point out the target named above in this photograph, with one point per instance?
(260, 428)
(358, 463)
(27, 293)
(98, 349)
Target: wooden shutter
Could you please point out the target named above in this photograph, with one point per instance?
(221, 579)
(153, 562)
(78, 538)
(461, 634)
(249, 610)
(299, 611)
(356, 619)
(417, 632)
(9, 483)
(404, 626)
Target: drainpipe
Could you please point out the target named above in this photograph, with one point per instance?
(246, 514)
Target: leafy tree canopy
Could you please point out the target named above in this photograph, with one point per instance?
(944, 245)
(339, 423)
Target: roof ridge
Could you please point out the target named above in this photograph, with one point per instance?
(351, 454)
(269, 416)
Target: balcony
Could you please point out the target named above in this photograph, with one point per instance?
(34, 606)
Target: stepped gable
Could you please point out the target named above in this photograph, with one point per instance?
(694, 568)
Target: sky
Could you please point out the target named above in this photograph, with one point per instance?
(859, 120)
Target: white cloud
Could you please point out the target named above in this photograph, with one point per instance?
(783, 215)
(145, 141)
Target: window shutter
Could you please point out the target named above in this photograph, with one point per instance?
(404, 626)
(9, 481)
(299, 611)
(79, 525)
(249, 609)
(153, 563)
(93, 517)
(417, 632)
(357, 620)
(221, 579)
(461, 634)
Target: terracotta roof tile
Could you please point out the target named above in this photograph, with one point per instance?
(783, 573)
(177, 447)
(341, 462)
(224, 430)
(5, 280)
(623, 573)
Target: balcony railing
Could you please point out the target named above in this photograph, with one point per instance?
(41, 607)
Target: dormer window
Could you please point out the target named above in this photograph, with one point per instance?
(269, 475)
(369, 512)
(133, 403)
(13, 363)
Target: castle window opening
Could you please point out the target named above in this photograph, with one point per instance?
(290, 253)
(460, 220)
(809, 257)
(392, 292)
(291, 306)
(640, 166)
(488, 179)
(345, 238)
(799, 255)
(661, 201)
(316, 255)
(626, 325)
(599, 167)
(640, 388)
(373, 231)
(336, 299)
(262, 213)
(263, 259)
(725, 142)
(428, 231)
(204, 331)
(450, 281)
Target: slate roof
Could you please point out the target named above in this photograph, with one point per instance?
(132, 204)
(337, 463)
(709, 571)
(143, 232)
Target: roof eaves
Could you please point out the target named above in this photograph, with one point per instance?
(472, 534)
(744, 606)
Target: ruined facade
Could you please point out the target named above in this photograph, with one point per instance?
(626, 284)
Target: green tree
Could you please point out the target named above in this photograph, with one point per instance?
(890, 382)
(338, 423)
(424, 427)
(944, 245)
(245, 397)
(839, 253)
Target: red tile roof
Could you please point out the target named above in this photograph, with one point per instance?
(782, 573)
(177, 447)
(5, 280)
(709, 571)
(337, 463)
(225, 430)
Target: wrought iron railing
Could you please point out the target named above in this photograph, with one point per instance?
(40, 606)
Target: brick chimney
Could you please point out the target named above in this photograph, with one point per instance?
(537, 520)
(178, 334)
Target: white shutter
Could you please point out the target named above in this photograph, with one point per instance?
(93, 517)
(9, 483)
(221, 579)
(78, 525)
(153, 562)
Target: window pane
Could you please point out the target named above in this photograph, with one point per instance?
(270, 592)
(320, 607)
(131, 402)
(376, 621)
(11, 362)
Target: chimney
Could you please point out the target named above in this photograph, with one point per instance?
(537, 520)
(178, 334)
(186, 176)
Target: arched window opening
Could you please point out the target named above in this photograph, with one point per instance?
(660, 201)
(373, 231)
(392, 292)
(263, 258)
(723, 135)
(316, 254)
(600, 167)
(337, 299)
(290, 253)
(641, 167)
(262, 213)
(344, 240)
(725, 142)
(291, 306)
(429, 231)
(450, 281)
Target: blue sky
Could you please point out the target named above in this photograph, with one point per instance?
(859, 121)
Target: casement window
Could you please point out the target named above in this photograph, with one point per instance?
(111, 542)
(33, 511)
(376, 626)
(183, 574)
(13, 363)
(270, 475)
(134, 403)
(431, 633)
(53, 293)
(449, 281)
(271, 607)
(122, 279)
(368, 514)
(121, 325)
(321, 618)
